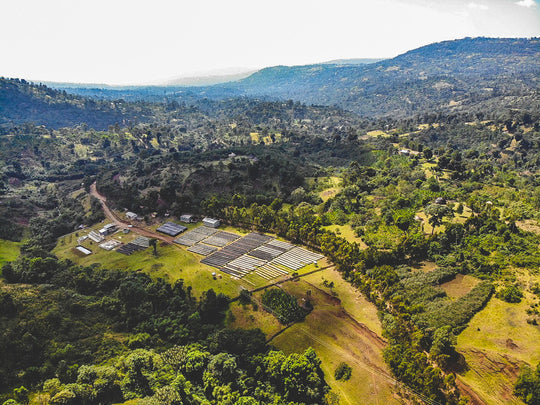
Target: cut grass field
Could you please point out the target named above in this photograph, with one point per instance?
(9, 251)
(351, 299)
(337, 338)
(496, 344)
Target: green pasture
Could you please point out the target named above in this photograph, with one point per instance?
(9, 251)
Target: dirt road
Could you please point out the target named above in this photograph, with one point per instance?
(124, 224)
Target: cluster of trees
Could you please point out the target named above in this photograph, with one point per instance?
(284, 306)
(193, 374)
(127, 302)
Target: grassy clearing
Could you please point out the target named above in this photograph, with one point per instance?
(496, 344)
(347, 232)
(377, 132)
(9, 251)
(352, 300)
(491, 329)
(338, 338)
(529, 225)
(459, 286)
(328, 187)
(254, 137)
(250, 316)
(172, 263)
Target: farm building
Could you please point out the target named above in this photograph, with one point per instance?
(110, 244)
(83, 250)
(108, 229)
(96, 237)
(171, 229)
(211, 222)
(131, 216)
(187, 218)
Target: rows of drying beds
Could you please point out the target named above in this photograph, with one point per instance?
(262, 254)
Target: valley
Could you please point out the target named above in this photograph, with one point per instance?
(378, 237)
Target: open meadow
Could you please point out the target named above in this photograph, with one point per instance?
(497, 343)
(8, 251)
(337, 337)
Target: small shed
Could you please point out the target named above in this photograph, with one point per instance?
(108, 229)
(131, 216)
(187, 218)
(211, 222)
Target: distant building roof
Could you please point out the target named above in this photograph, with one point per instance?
(96, 237)
(171, 229)
(214, 223)
(141, 241)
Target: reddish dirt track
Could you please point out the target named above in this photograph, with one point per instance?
(123, 224)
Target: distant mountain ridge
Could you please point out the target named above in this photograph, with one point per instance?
(451, 76)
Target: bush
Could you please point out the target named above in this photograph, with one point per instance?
(510, 294)
(283, 305)
(343, 372)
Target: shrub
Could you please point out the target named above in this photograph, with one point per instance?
(343, 372)
(510, 294)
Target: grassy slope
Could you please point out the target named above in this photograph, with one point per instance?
(496, 344)
(351, 299)
(336, 337)
(8, 251)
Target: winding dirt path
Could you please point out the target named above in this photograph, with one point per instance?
(123, 224)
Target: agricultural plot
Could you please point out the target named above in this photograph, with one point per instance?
(110, 244)
(243, 265)
(297, 258)
(195, 236)
(269, 271)
(171, 229)
(267, 252)
(277, 244)
(236, 249)
(202, 249)
(141, 241)
(129, 249)
(221, 239)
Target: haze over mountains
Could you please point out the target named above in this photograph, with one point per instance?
(459, 75)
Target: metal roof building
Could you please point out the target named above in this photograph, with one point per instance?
(171, 229)
(211, 222)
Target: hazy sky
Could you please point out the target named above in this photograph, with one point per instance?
(134, 41)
